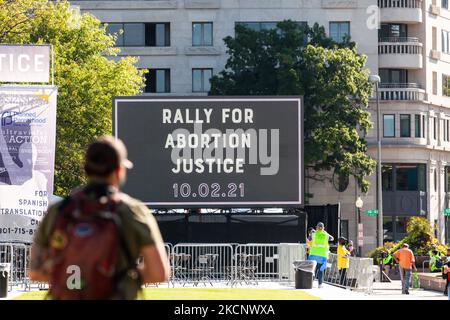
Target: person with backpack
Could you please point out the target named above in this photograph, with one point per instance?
(87, 246)
(435, 261)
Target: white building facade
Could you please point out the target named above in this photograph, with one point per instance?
(180, 42)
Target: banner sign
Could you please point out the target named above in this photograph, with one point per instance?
(213, 151)
(24, 63)
(27, 156)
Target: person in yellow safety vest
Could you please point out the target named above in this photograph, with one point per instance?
(308, 242)
(388, 261)
(435, 261)
(319, 249)
(342, 260)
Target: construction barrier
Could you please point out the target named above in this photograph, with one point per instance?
(231, 263)
(358, 276)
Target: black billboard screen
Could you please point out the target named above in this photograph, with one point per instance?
(212, 151)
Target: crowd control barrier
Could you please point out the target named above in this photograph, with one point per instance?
(358, 276)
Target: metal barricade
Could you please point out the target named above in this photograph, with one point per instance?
(358, 276)
(255, 262)
(18, 256)
(288, 253)
(205, 263)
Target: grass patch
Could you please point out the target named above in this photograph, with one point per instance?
(204, 294)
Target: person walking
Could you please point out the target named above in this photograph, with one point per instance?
(319, 249)
(342, 260)
(405, 258)
(87, 246)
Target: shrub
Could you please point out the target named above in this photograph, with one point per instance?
(420, 238)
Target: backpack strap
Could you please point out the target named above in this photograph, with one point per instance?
(130, 272)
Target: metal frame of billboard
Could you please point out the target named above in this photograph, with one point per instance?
(229, 204)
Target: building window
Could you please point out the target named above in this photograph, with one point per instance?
(445, 85)
(133, 34)
(388, 228)
(435, 180)
(202, 34)
(393, 30)
(400, 227)
(115, 28)
(339, 31)
(447, 179)
(388, 125)
(141, 34)
(258, 26)
(445, 124)
(445, 4)
(340, 181)
(157, 81)
(418, 125)
(393, 75)
(410, 177)
(344, 229)
(387, 177)
(434, 128)
(423, 126)
(435, 85)
(158, 34)
(448, 129)
(434, 38)
(443, 129)
(446, 41)
(201, 80)
(405, 125)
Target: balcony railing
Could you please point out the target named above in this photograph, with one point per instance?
(401, 92)
(399, 85)
(414, 4)
(399, 48)
(398, 39)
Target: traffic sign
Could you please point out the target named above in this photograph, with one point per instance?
(372, 212)
(447, 212)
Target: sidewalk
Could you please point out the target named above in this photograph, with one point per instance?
(381, 291)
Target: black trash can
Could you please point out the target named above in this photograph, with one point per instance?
(4, 273)
(304, 274)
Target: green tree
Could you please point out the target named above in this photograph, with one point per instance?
(330, 76)
(87, 72)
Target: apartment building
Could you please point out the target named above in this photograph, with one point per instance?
(180, 41)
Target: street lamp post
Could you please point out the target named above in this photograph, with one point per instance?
(359, 204)
(376, 80)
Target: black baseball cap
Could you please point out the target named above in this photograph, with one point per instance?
(105, 155)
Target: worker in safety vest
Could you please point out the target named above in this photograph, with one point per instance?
(388, 261)
(435, 261)
(319, 249)
(308, 241)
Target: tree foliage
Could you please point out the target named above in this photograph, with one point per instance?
(87, 72)
(330, 76)
(419, 236)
